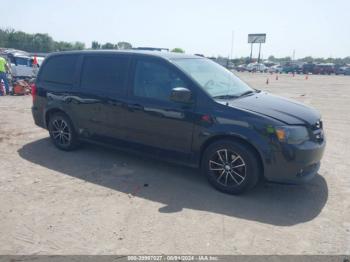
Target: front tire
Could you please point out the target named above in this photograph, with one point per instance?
(62, 132)
(231, 167)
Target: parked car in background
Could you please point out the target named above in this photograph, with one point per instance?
(347, 71)
(21, 66)
(340, 70)
(241, 68)
(324, 69)
(269, 63)
(275, 69)
(185, 109)
(291, 68)
(307, 68)
(21, 63)
(230, 65)
(256, 67)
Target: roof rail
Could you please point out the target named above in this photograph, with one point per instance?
(151, 48)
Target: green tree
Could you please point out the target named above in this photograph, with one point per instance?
(271, 58)
(63, 46)
(18, 40)
(42, 43)
(95, 45)
(178, 50)
(10, 38)
(78, 46)
(124, 45)
(307, 59)
(108, 46)
(3, 37)
(346, 60)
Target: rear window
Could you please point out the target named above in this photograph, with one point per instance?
(60, 69)
(22, 61)
(107, 73)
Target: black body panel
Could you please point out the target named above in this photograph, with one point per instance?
(116, 115)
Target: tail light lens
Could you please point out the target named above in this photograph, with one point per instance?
(34, 92)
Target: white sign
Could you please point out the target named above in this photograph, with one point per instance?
(256, 38)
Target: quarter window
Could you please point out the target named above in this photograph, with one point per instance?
(155, 80)
(60, 69)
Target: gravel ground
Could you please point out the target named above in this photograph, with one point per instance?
(102, 201)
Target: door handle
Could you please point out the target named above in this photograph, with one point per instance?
(135, 107)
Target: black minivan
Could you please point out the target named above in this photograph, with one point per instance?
(180, 108)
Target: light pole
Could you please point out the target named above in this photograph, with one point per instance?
(232, 39)
(251, 52)
(259, 52)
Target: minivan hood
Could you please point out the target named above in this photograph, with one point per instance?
(282, 109)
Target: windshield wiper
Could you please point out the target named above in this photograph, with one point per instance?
(246, 93)
(225, 97)
(234, 96)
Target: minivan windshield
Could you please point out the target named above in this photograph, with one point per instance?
(216, 80)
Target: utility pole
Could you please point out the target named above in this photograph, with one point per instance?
(233, 36)
(251, 52)
(259, 52)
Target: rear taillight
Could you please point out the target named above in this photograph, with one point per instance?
(34, 92)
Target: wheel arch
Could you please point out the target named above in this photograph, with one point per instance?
(235, 138)
(53, 111)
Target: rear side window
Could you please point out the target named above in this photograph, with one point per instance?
(104, 73)
(60, 69)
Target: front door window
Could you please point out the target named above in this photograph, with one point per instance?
(155, 80)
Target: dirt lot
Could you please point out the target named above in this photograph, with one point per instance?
(101, 201)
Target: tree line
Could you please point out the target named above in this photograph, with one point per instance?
(310, 59)
(44, 43)
(119, 45)
(10, 38)
(288, 59)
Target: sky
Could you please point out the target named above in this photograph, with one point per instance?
(318, 28)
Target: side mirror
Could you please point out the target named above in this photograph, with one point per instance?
(181, 95)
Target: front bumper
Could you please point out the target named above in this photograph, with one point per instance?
(295, 164)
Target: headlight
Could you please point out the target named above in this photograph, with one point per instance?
(292, 134)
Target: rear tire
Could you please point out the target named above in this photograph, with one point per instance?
(231, 167)
(62, 132)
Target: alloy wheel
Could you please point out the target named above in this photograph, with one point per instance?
(61, 132)
(228, 168)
